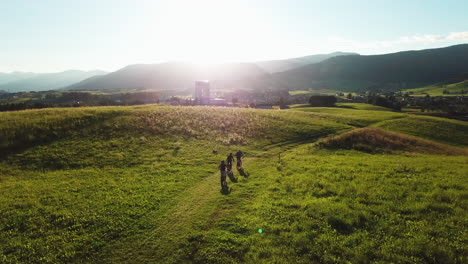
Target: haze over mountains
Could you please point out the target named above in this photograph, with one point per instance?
(176, 76)
(387, 72)
(335, 71)
(170, 75)
(14, 76)
(181, 76)
(27, 81)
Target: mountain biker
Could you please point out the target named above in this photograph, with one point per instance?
(239, 155)
(230, 159)
(222, 169)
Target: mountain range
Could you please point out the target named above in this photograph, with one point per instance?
(27, 81)
(181, 76)
(175, 76)
(14, 76)
(335, 71)
(273, 66)
(381, 72)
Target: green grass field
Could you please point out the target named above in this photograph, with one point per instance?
(140, 185)
(359, 115)
(313, 91)
(455, 89)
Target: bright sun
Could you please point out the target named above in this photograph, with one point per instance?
(211, 31)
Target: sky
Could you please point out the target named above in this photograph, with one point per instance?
(57, 35)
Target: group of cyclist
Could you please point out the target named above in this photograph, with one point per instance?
(225, 167)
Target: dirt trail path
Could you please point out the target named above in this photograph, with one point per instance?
(195, 206)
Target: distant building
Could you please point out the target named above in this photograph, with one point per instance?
(202, 92)
(218, 102)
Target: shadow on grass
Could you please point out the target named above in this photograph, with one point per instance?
(175, 152)
(242, 172)
(344, 106)
(302, 139)
(225, 190)
(231, 176)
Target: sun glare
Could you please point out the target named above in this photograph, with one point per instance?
(207, 32)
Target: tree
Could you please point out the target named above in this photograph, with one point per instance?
(322, 100)
(349, 96)
(281, 102)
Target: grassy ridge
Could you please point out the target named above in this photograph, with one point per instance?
(361, 106)
(228, 126)
(442, 130)
(23, 128)
(357, 106)
(446, 131)
(350, 116)
(375, 140)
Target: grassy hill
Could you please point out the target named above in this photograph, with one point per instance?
(376, 140)
(348, 114)
(446, 131)
(140, 185)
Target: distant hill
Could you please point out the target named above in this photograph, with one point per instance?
(177, 76)
(455, 89)
(14, 76)
(22, 82)
(380, 72)
(328, 72)
(288, 64)
(181, 76)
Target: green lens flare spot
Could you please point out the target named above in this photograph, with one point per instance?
(260, 230)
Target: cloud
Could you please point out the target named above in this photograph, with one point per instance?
(418, 39)
(458, 36)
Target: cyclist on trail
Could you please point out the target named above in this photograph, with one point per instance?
(229, 167)
(222, 169)
(239, 155)
(230, 159)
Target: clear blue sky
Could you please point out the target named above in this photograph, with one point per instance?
(55, 35)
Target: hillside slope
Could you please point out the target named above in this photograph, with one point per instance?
(381, 72)
(288, 64)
